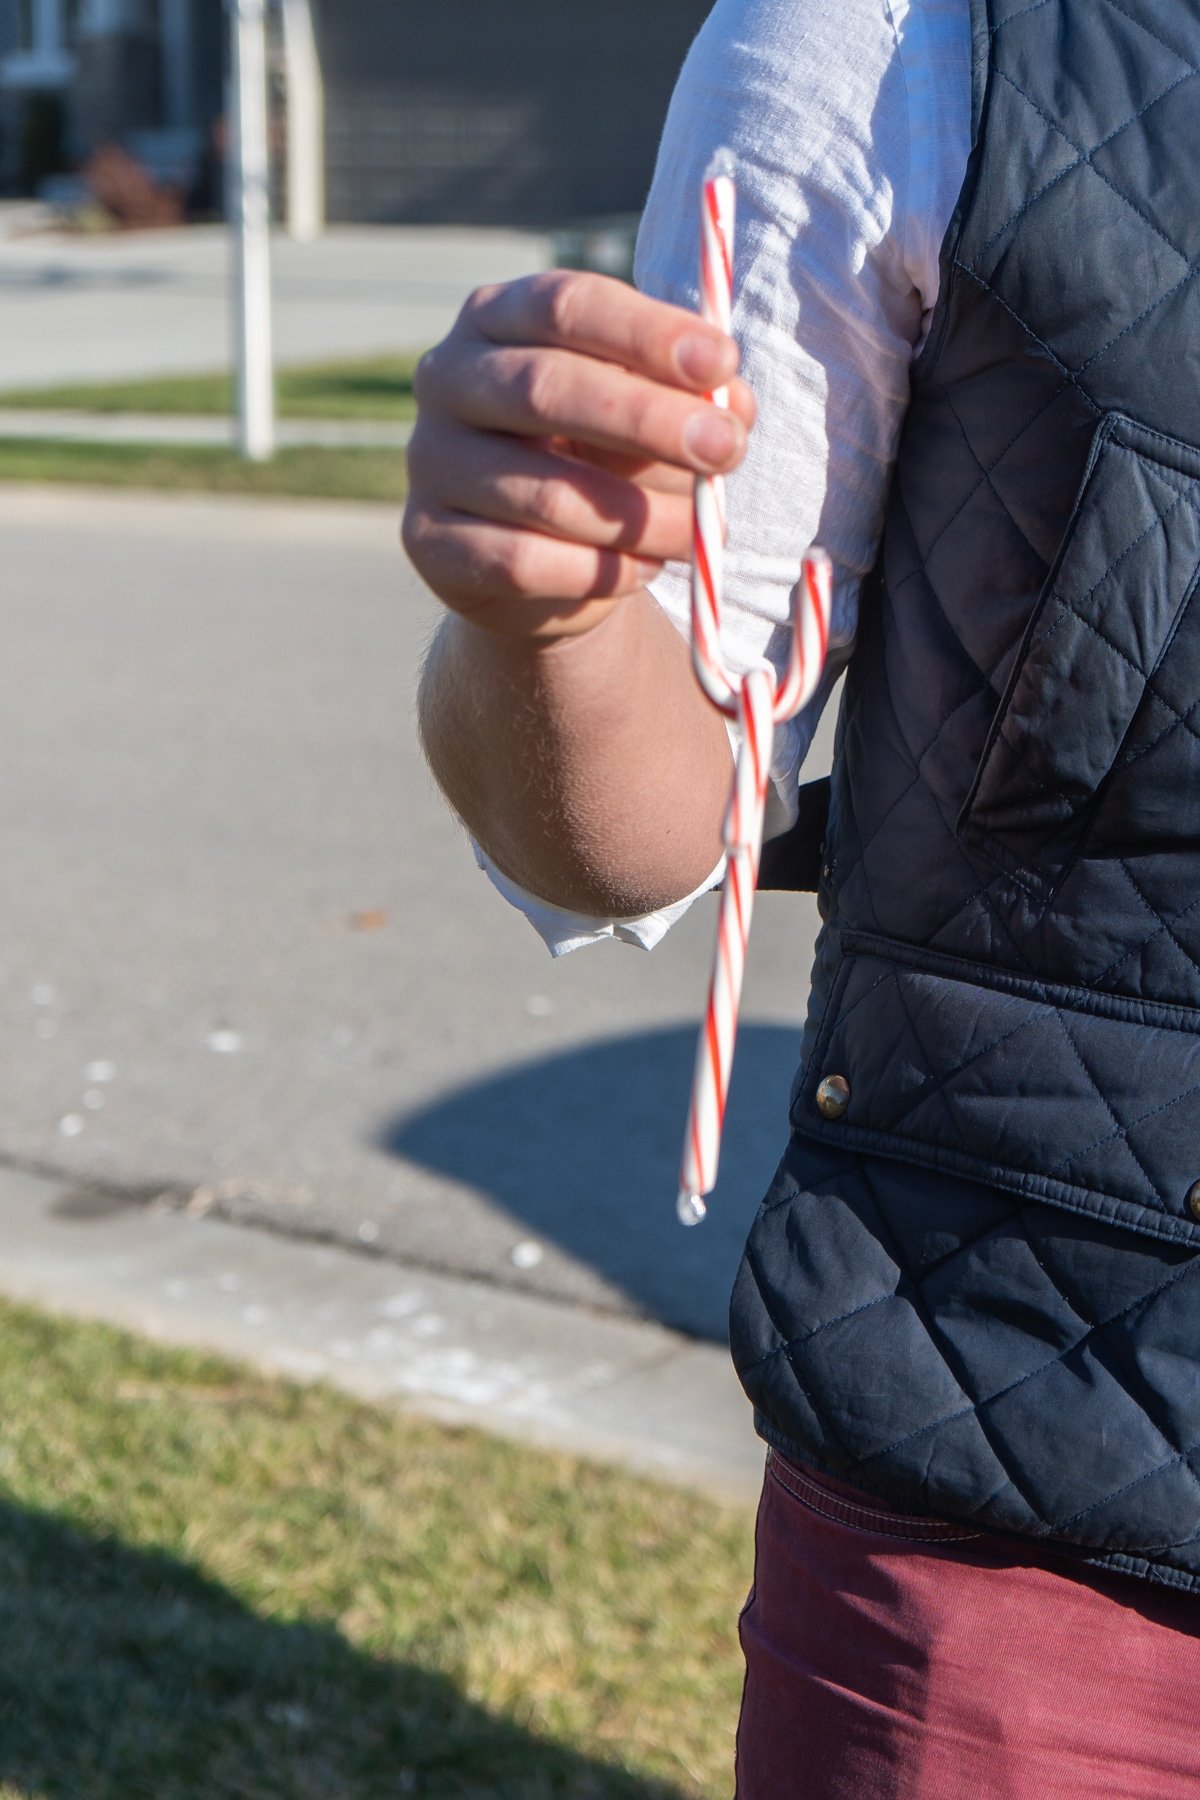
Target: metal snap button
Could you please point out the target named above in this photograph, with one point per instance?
(1193, 1200)
(833, 1097)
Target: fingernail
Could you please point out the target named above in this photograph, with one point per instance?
(710, 439)
(704, 360)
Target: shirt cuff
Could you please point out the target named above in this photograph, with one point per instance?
(563, 931)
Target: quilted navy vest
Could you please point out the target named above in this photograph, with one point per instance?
(974, 1287)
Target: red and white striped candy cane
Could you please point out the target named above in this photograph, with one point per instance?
(717, 207)
(759, 702)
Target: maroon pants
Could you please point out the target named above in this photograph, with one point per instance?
(898, 1658)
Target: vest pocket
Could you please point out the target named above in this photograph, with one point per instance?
(1089, 663)
(1086, 1100)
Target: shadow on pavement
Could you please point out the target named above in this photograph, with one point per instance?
(583, 1149)
(125, 1675)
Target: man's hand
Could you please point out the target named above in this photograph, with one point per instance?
(561, 425)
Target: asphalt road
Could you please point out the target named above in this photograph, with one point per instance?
(246, 954)
(83, 309)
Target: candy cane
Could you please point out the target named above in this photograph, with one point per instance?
(717, 208)
(759, 702)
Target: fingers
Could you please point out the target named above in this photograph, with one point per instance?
(655, 477)
(581, 355)
(560, 429)
(594, 315)
(542, 393)
(516, 581)
(507, 481)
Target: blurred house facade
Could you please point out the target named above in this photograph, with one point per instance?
(75, 74)
(519, 112)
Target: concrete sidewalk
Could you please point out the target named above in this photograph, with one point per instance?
(178, 428)
(461, 1351)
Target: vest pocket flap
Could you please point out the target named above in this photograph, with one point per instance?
(1088, 1101)
(1102, 624)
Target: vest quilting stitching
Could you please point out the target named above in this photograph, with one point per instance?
(992, 1316)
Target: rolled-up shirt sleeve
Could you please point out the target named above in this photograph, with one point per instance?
(849, 126)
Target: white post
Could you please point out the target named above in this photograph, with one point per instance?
(305, 122)
(252, 207)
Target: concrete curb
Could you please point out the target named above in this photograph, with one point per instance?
(616, 1390)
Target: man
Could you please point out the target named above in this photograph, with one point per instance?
(967, 307)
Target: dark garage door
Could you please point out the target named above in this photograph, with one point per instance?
(516, 112)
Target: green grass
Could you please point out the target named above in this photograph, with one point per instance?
(371, 388)
(309, 473)
(214, 1586)
(376, 387)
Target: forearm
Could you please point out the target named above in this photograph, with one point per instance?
(590, 769)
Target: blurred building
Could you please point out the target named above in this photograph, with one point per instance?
(521, 112)
(75, 74)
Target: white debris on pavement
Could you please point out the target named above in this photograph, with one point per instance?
(402, 1306)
